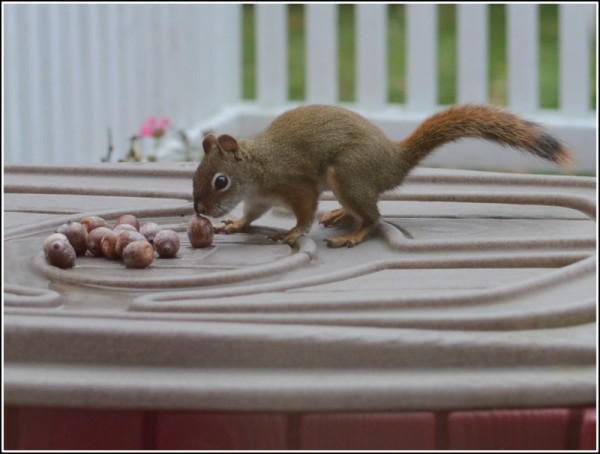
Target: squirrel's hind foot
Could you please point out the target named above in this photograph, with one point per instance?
(351, 240)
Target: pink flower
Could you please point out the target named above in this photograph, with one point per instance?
(155, 127)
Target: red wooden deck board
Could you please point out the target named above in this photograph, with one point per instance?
(368, 431)
(220, 431)
(588, 430)
(80, 429)
(35, 428)
(509, 429)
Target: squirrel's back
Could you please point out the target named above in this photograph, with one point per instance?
(303, 143)
(323, 128)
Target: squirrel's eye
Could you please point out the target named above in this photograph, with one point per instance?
(221, 182)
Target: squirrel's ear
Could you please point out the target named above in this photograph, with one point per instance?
(229, 144)
(209, 143)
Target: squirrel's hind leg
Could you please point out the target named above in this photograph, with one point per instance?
(358, 202)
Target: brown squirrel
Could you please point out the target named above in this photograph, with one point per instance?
(309, 149)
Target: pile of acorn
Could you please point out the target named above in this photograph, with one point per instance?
(135, 244)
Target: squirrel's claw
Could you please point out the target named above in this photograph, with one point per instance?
(335, 217)
(229, 226)
(340, 241)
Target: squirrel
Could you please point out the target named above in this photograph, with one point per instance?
(312, 148)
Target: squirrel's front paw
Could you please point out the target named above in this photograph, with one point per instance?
(230, 226)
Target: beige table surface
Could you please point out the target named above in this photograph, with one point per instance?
(477, 290)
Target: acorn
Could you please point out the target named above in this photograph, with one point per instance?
(138, 254)
(121, 227)
(108, 245)
(166, 243)
(125, 237)
(53, 237)
(95, 239)
(149, 230)
(129, 219)
(61, 253)
(200, 232)
(77, 235)
(92, 222)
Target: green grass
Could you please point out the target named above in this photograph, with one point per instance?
(497, 70)
(396, 51)
(346, 46)
(548, 56)
(446, 32)
(296, 60)
(497, 76)
(248, 53)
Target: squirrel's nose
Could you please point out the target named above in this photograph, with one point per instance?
(200, 208)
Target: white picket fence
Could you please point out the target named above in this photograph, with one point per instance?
(74, 71)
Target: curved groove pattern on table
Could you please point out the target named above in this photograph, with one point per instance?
(477, 290)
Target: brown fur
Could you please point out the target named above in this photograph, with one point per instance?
(311, 148)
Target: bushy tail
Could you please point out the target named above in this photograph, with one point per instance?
(483, 122)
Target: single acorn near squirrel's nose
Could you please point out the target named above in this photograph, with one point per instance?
(200, 232)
